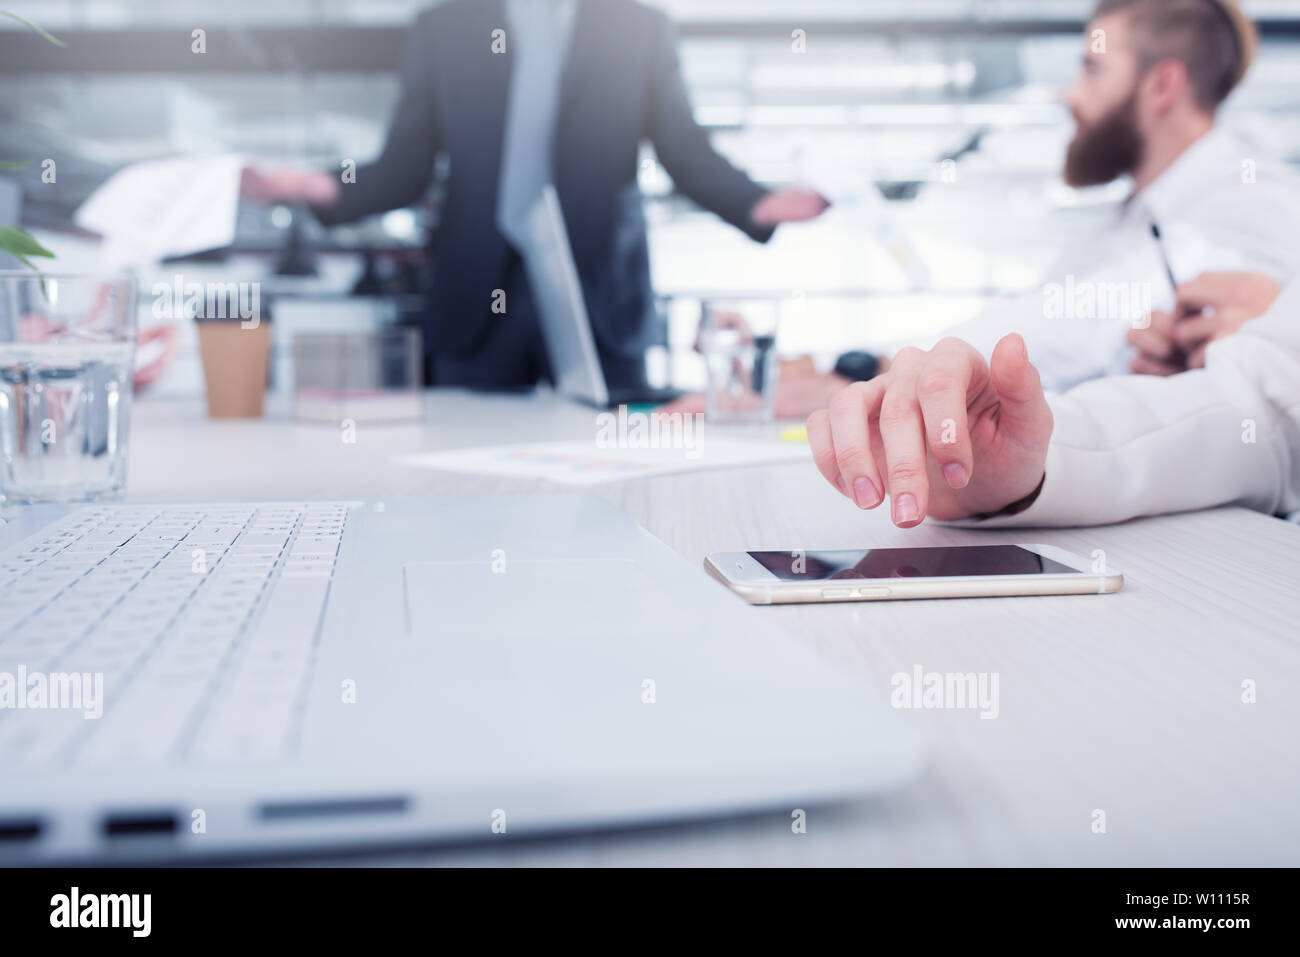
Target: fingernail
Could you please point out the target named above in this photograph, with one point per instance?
(905, 508)
(839, 480)
(865, 494)
(955, 473)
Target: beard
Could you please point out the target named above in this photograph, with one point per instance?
(1107, 150)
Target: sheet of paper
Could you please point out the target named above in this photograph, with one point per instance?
(169, 207)
(584, 463)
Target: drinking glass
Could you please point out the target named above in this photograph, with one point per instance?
(374, 376)
(738, 343)
(67, 348)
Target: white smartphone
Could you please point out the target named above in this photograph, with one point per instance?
(874, 574)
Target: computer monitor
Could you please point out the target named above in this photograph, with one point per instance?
(561, 308)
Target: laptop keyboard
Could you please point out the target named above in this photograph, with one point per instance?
(202, 620)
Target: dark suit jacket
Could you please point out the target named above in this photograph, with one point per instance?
(622, 84)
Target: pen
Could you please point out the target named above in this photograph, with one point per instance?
(1164, 257)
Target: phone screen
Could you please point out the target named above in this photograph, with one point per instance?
(940, 562)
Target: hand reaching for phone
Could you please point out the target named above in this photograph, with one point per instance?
(942, 433)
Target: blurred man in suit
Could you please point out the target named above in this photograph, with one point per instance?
(518, 94)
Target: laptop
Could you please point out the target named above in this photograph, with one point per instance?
(244, 679)
(562, 312)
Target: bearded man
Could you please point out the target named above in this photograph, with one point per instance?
(1152, 78)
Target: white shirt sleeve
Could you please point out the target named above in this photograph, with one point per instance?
(1128, 446)
(1066, 351)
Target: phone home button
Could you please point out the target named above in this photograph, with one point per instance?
(874, 593)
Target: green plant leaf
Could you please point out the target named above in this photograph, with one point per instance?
(31, 26)
(21, 246)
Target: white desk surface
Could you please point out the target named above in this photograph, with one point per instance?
(1130, 703)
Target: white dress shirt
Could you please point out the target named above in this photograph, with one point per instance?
(1219, 206)
(1127, 446)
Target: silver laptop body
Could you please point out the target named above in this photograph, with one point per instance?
(297, 676)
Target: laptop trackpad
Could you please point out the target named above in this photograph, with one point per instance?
(551, 663)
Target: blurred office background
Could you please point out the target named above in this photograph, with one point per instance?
(950, 107)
